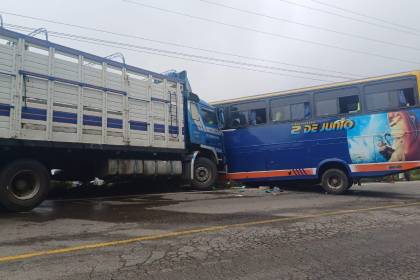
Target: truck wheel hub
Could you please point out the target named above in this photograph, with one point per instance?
(202, 174)
(24, 185)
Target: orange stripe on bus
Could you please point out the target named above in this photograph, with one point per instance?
(388, 166)
(370, 167)
(268, 174)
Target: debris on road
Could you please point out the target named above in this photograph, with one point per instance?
(277, 190)
(97, 182)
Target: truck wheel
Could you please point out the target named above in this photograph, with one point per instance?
(335, 181)
(205, 173)
(24, 184)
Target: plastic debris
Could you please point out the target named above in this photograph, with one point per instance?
(76, 184)
(242, 188)
(277, 190)
(97, 182)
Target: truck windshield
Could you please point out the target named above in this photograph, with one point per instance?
(209, 117)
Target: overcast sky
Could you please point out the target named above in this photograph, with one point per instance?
(272, 42)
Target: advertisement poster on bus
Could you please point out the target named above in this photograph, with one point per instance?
(385, 137)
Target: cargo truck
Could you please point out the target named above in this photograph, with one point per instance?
(85, 116)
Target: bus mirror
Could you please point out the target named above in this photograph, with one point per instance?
(221, 117)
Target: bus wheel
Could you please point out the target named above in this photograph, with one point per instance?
(24, 184)
(205, 174)
(335, 181)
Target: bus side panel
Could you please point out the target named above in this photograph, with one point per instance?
(283, 151)
(370, 145)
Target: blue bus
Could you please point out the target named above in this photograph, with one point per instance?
(333, 134)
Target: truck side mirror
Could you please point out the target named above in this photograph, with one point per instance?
(194, 97)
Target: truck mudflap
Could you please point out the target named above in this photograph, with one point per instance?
(188, 167)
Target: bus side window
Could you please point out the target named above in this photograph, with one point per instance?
(257, 116)
(343, 100)
(238, 119)
(406, 97)
(326, 107)
(378, 101)
(401, 98)
(300, 111)
(280, 113)
(248, 114)
(391, 95)
(290, 108)
(349, 104)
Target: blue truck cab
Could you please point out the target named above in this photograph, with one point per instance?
(203, 137)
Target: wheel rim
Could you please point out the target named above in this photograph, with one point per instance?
(202, 174)
(335, 182)
(24, 185)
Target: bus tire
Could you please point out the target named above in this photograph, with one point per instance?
(205, 173)
(335, 181)
(24, 184)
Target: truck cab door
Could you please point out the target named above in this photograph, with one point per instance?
(196, 126)
(213, 134)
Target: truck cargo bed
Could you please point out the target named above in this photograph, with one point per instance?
(51, 93)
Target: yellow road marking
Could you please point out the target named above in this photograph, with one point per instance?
(193, 231)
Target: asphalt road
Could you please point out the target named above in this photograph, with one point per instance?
(373, 232)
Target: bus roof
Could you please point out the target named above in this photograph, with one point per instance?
(312, 88)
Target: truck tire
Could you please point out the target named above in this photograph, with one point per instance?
(24, 184)
(335, 181)
(205, 173)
